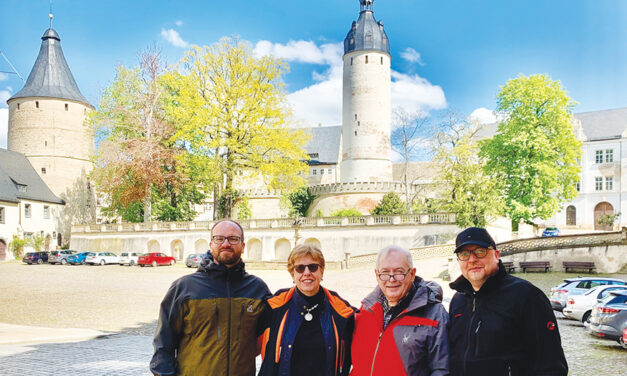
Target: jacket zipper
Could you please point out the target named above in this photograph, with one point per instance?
(374, 357)
(341, 355)
(477, 338)
(228, 333)
(218, 320)
(509, 370)
(474, 300)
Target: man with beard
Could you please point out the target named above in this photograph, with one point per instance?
(210, 320)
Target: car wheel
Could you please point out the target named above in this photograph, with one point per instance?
(142, 265)
(131, 263)
(154, 264)
(63, 262)
(83, 262)
(586, 317)
(102, 262)
(171, 262)
(40, 261)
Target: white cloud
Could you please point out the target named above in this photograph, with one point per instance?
(179, 23)
(3, 76)
(4, 127)
(321, 102)
(412, 56)
(173, 37)
(483, 116)
(4, 96)
(415, 94)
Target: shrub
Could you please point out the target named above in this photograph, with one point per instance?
(350, 212)
(390, 204)
(17, 246)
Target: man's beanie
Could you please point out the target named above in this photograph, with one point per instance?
(474, 235)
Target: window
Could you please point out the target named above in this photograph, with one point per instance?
(609, 183)
(67, 106)
(609, 156)
(322, 171)
(599, 156)
(355, 116)
(27, 210)
(358, 123)
(355, 133)
(329, 171)
(351, 61)
(314, 171)
(366, 59)
(45, 143)
(598, 184)
(313, 155)
(20, 188)
(43, 171)
(578, 186)
(1, 215)
(381, 60)
(46, 212)
(37, 104)
(18, 106)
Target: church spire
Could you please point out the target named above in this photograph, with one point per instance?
(51, 76)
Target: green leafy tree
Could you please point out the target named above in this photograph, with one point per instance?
(230, 111)
(391, 204)
(37, 241)
(243, 208)
(534, 152)
(299, 201)
(464, 187)
(17, 246)
(80, 207)
(348, 212)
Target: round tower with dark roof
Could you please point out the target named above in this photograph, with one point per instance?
(366, 102)
(47, 119)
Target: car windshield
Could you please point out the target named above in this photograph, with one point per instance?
(123, 254)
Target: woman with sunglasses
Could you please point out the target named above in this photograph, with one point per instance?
(310, 328)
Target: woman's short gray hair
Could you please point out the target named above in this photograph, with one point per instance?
(395, 248)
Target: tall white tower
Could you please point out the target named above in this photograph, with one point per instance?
(46, 119)
(366, 104)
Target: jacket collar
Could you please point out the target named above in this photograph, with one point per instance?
(461, 284)
(208, 265)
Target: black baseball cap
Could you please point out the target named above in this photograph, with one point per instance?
(474, 235)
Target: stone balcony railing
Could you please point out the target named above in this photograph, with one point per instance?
(308, 222)
(374, 187)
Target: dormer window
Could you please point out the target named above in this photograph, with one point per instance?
(20, 188)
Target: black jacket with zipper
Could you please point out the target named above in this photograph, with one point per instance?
(505, 328)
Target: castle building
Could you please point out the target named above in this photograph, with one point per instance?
(47, 119)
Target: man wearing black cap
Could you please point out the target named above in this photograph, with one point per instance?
(499, 324)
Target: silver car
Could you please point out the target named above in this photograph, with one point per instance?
(609, 317)
(129, 258)
(60, 256)
(194, 259)
(577, 286)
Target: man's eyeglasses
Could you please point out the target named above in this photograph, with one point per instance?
(398, 277)
(218, 239)
(301, 268)
(465, 255)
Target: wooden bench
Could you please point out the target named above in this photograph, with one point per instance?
(524, 265)
(585, 265)
(509, 266)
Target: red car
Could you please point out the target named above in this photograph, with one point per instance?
(154, 259)
(623, 340)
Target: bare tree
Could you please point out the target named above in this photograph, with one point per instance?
(409, 130)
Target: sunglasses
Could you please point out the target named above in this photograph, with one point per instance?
(301, 268)
(478, 252)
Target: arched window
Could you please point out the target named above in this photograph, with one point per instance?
(571, 216)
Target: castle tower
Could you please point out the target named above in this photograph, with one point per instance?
(366, 103)
(46, 119)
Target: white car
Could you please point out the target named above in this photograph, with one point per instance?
(129, 258)
(101, 258)
(579, 307)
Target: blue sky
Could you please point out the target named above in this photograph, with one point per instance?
(445, 54)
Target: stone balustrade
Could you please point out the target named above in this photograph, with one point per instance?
(566, 241)
(308, 222)
(380, 187)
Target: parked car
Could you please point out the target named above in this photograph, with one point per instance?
(129, 258)
(194, 259)
(579, 307)
(609, 317)
(155, 258)
(577, 286)
(550, 232)
(60, 256)
(78, 258)
(623, 340)
(35, 258)
(102, 258)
